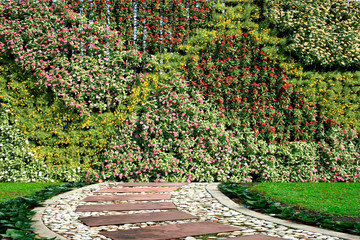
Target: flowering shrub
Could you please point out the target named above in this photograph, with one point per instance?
(173, 138)
(59, 48)
(151, 25)
(251, 89)
(225, 110)
(59, 138)
(324, 34)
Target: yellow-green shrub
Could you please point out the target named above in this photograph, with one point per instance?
(336, 94)
(61, 138)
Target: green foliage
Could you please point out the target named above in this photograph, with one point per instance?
(322, 34)
(335, 93)
(250, 125)
(17, 162)
(11, 190)
(154, 33)
(64, 144)
(337, 199)
(250, 88)
(16, 214)
(58, 48)
(253, 200)
(175, 137)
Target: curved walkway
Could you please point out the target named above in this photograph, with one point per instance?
(155, 211)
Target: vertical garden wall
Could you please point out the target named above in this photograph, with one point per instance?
(160, 91)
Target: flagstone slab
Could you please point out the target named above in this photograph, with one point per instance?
(256, 237)
(136, 218)
(137, 190)
(147, 184)
(134, 197)
(170, 231)
(126, 207)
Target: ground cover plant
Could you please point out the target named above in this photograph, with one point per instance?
(16, 214)
(219, 107)
(16, 158)
(11, 190)
(269, 198)
(341, 199)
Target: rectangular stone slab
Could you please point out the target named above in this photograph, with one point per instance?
(170, 231)
(137, 190)
(136, 218)
(144, 184)
(126, 207)
(257, 237)
(134, 197)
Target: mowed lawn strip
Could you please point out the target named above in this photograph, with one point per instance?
(336, 199)
(10, 191)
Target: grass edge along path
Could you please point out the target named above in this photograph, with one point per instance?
(11, 190)
(16, 214)
(251, 199)
(335, 199)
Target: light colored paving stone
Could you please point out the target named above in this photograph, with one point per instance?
(136, 218)
(137, 190)
(171, 231)
(128, 197)
(126, 207)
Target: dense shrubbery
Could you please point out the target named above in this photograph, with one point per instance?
(251, 89)
(312, 23)
(174, 138)
(322, 34)
(222, 109)
(15, 154)
(177, 137)
(160, 25)
(335, 93)
(52, 114)
(59, 49)
(58, 137)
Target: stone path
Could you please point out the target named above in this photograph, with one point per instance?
(157, 211)
(170, 231)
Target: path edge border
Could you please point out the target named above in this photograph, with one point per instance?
(212, 188)
(39, 226)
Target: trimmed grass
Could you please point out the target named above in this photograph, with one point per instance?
(336, 199)
(10, 191)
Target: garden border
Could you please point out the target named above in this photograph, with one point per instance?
(39, 225)
(212, 188)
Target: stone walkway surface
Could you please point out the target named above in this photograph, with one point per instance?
(162, 211)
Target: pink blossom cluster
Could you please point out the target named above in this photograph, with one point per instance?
(84, 64)
(178, 136)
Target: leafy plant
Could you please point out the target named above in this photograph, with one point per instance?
(253, 200)
(16, 214)
(322, 34)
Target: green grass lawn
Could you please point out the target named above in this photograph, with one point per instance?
(13, 190)
(336, 199)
